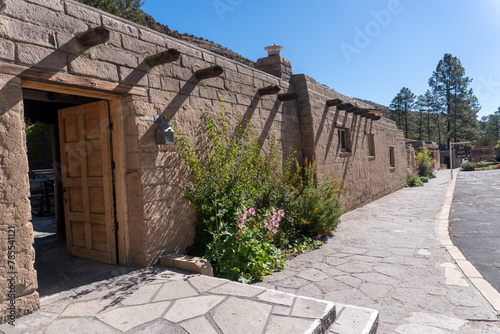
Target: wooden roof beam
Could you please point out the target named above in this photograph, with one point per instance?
(346, 106)
(93, 37)
(373, 117)
(288, 96)
(209, 72)
(164, 57)
(269, 90)
(334, 102)
(361, 112)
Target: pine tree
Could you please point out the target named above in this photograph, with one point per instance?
(450, 86)
(402, 105)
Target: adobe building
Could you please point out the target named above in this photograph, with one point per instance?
(113, 91)
(418, 145)
(483, 153)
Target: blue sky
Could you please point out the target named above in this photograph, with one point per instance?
(365, 49)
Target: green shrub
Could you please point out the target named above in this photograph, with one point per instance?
(244, 251)
(413, 180)
(229, 173)
(319, 207)
(425, 163)
(468, 166)
(482, 164)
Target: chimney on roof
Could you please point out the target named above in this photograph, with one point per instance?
(273, 49)
(274, 63)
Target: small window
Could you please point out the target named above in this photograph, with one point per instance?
(343, 141)
(391, 157)
(371, 145)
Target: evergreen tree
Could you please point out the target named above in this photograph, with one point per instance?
(450, 87)
(493, 125)
(127, 9)
(489, 128)
(402, 106)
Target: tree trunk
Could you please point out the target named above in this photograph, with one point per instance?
(428, 124)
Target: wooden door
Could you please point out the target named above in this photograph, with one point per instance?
(87, 181)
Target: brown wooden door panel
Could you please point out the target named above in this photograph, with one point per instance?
(87, 180)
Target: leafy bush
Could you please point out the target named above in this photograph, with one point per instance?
(319, 208)
(468, 166)
(245, 251)
(497, 158)
(413, 180)
(229, 173)
(425, 163)
(482, 164)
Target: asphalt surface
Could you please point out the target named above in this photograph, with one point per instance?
(475, 221)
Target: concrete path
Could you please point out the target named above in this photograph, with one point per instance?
(475, 221)
(388, 256)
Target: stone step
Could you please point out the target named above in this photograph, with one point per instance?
(354, 320)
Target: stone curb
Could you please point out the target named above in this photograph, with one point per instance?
(187, 263)
(470, 272)
(355, 319)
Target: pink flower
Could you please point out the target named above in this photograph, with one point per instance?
(269, 233)
(237, 237)
(240, 232)
(281, 212)
(274, 231)
(266, 239)
(252, 211)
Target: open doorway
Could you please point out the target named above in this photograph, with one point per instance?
(73, 216)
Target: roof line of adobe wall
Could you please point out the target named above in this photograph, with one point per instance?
(186, 44)
(311, 81)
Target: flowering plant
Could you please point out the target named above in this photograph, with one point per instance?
(245, 250)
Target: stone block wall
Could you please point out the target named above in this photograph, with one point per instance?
(366, 177)
(37, 42)
(18, 282)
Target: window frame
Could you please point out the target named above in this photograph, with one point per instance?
(343, 137)
(392, 157)
(371, 145)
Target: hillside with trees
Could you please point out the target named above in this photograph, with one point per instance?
(447, 111)
(131, 11)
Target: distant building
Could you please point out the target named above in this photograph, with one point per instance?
(431, 146)
(483, 153)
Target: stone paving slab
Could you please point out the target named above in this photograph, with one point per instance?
(171, 301)
(388, 256)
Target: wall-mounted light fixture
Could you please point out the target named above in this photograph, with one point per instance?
(164, 133)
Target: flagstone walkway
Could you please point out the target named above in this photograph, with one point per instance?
(388, 256)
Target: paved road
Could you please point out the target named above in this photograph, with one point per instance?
(475, 221)
(388, 256)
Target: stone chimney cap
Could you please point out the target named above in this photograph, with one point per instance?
(273, 49)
